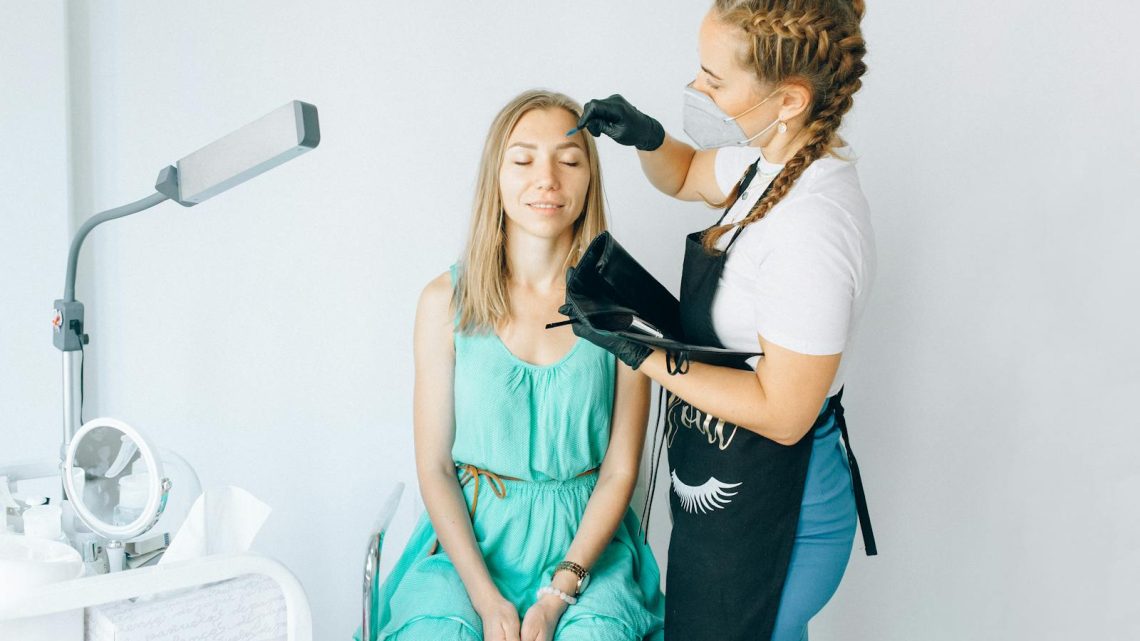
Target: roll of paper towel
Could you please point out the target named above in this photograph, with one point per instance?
(27, 562)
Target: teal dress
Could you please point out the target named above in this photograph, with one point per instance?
(549, 427)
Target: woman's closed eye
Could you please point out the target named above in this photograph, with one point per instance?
(568, 163)
(571, 158)
(705, 79)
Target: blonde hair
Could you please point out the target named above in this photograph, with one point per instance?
(817, 43)
(482, 297)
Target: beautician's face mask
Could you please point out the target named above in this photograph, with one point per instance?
(710, 127)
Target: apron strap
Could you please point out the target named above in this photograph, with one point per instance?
(856, 478)
(656, 448)
(735, 235)
(742, 186)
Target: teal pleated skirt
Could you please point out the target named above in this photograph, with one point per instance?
(523, 535)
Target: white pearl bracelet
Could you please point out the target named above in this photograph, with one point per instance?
(550, 589)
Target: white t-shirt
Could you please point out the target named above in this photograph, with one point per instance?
(801, 275)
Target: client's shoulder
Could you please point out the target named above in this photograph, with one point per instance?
(435, 299)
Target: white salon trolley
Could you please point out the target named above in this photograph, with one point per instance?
(90, 591)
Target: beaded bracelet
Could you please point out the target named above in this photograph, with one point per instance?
(550, 589)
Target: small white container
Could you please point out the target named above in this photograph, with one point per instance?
(44, 522)
(134, 490)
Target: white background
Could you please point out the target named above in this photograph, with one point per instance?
(266, 334)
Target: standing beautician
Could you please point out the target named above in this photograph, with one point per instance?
(764, 497)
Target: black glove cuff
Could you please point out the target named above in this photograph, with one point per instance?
(634, 354)
(654, 138)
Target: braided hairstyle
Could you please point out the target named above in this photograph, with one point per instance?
(814, 42)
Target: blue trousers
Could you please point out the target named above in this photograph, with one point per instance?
(824, 536)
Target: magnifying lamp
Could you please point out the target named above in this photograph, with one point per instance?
(279, 136)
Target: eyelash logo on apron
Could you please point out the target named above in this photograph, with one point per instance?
(710, 495)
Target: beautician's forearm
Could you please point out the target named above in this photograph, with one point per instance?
(447, 509)
(667, 167)
(731, 394)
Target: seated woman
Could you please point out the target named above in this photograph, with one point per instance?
(527, 439)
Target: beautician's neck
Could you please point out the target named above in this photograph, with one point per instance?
(538, 263)
(779, 151)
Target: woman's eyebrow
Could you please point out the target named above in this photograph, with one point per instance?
(706, 70)
(529, 145)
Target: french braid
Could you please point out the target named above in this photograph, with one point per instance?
(817, 42)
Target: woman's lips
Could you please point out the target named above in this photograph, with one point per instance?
(546, 207)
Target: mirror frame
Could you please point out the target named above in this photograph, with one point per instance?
(157, 494)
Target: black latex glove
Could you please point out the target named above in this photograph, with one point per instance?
(618, 119)
(627, 351)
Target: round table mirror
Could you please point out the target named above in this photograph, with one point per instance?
(114, 480)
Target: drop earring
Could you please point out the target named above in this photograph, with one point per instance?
(782, 127)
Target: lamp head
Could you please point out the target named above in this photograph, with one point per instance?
(279, 136)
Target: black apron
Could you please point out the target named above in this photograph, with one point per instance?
(737, 495)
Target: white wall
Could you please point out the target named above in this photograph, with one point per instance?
(34, 215)
(265, 335)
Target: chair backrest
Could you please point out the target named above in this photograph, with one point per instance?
(372, 560)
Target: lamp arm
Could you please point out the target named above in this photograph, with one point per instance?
(91, 223)
(68, 335)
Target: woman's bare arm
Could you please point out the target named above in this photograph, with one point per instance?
(610, 500)
(434, 436)
(678, 170)
(780, 400)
